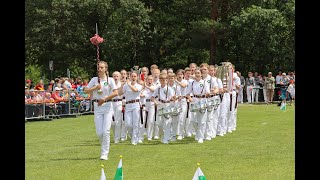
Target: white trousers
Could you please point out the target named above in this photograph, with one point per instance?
(256, 90)
(182, 118)
(249, 94)
(224, 107)
(117, 116)
(188, 123)
(102, 121)
(132, 120)
(209, 122)
(240, 94)
(164, 125)
(150, 120)
(231, 114)
(199, 124)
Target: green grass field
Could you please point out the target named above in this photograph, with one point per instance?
(262, 147)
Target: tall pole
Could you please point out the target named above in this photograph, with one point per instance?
(213, 44)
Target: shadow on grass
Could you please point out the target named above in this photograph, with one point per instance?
(74, 159)
(158, 142)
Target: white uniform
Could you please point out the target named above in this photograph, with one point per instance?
(150, 112)
(117, 115)
(199, 88)
(156, 126)
(142, 129)
(103, 113)
(212, 121)
(132, 111)
(235, 108)
(183, 115)
(164, 123)
(175, 119)
(190, 115)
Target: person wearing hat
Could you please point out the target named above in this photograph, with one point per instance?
(103, 89)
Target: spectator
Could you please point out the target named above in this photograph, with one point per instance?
(40, 85)
(242, 84)
(270, 86)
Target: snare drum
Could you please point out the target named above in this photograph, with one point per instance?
(175, 110)
(194, 107)
(211, 105)
(165, 111)
(203, 106)
(217, 103)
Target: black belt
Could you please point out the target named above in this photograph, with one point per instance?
(148, 100)
(133, 101)
(97, 100)
(200, 96)
(163, 101)
(116, 100)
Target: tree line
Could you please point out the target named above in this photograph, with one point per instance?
(255, 35)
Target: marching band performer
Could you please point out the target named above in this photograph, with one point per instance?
(124, 77)
(182, 103)
(164, 95)
(200, 89)
(131, 90)
(103, 89)
(149, 88)
(190, 115)
(117, 109)
(177, 93)
(213, 86)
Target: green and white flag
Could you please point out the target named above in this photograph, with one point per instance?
(198, 175)
(103, 176)
(119, 174)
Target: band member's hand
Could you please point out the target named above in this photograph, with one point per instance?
(128, 81)
(190, 99)
(101, 101)
(152, 99)
(98, 87)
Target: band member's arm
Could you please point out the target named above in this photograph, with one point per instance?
(134, 89)
(88, 90)
(151, 88)
(181, 84)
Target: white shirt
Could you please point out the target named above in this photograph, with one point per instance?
(198, 88)
(183, 90)
(278, 79)
(107, 87)
(162, 93)
(211, 81)
(220, 85)
(147, 92)
(131, 95)
(236, 82)
(190, 80)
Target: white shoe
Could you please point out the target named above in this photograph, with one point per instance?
(134, 144)
(116, 141)
(179, 138)
(221, 134)
(149, 139)
(165, 142)
(104, 157)
(122, 139)
(200, 140)
(156, 137)
(189, 134)
(208, 138)
(233, 129)
(140, 141)
(229, 131)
